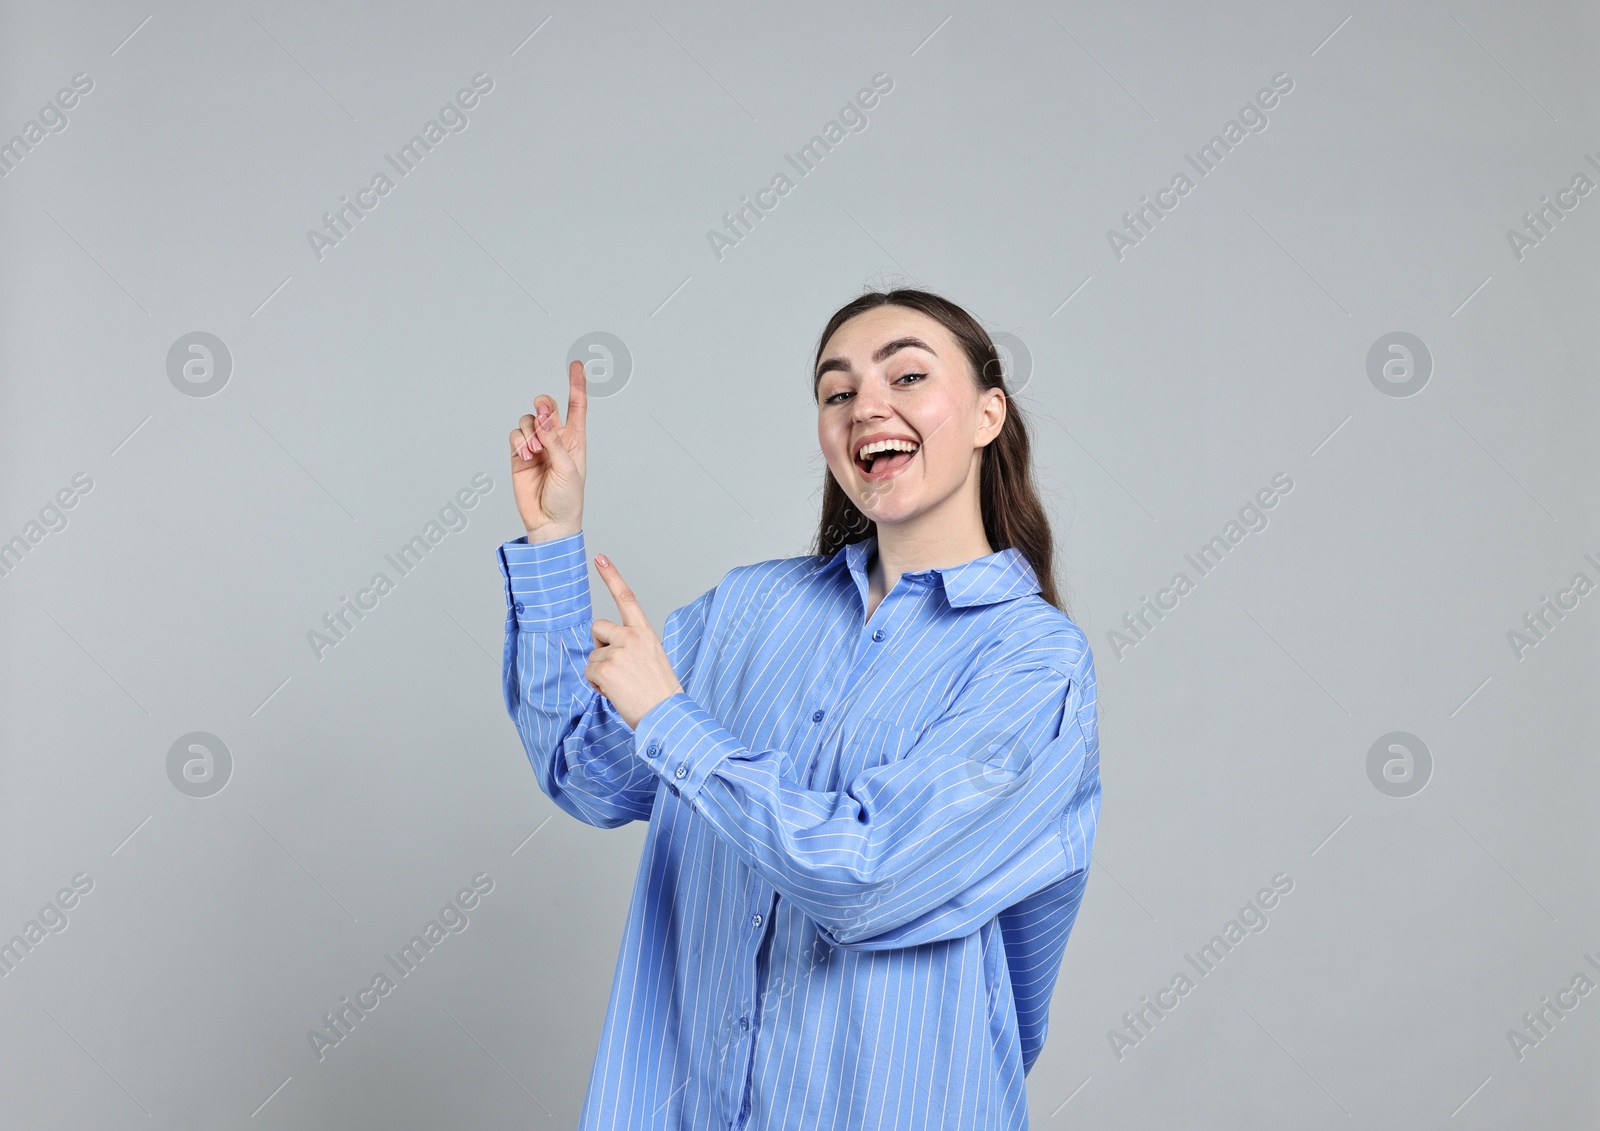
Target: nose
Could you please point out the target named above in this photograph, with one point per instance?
(871, 401)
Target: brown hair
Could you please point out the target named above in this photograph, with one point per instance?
(1012, 512)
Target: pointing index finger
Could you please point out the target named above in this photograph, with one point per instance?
(627, 604)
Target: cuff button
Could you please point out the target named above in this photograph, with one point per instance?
(681, 772)
(517, 606)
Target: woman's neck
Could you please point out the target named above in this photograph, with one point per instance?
(908, 553)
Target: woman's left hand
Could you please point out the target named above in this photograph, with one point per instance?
(628, 665)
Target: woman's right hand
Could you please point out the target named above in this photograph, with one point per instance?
(548, 461)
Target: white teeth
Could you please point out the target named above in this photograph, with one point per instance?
(886, 446)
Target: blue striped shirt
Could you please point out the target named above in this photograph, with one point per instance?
(868, 838)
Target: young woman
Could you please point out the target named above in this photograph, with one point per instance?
(871, 773)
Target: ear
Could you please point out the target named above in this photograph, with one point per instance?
(992, 409)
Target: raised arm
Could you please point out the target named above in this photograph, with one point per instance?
(996, 801)
(580, 748)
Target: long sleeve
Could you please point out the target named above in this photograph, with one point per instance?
(996, 801)
(581, 749)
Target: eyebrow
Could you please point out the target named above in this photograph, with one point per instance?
(883, 352)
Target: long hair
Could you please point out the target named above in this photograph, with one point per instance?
(1012, 512)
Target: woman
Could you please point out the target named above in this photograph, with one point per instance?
(871, 773)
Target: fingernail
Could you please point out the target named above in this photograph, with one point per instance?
(602, 559)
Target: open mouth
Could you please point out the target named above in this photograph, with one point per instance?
(886, 462)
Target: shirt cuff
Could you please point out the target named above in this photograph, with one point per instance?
(682, 743)
(547, 583)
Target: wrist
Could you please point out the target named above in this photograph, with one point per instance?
(551, 531)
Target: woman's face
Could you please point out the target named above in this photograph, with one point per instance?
(895, 373)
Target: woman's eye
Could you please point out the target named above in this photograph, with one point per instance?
(846, 392)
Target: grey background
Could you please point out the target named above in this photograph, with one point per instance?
(367, 388)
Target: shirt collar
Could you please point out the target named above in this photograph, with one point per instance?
(1000, 576)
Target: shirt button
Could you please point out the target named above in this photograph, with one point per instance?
(755, 920)
(654, 748)
(672, 789)
(744, 1022)
(517, 606)
(817, 718)
(878, 635)
(682, 771)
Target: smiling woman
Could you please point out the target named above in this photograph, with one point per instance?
(862, 866)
